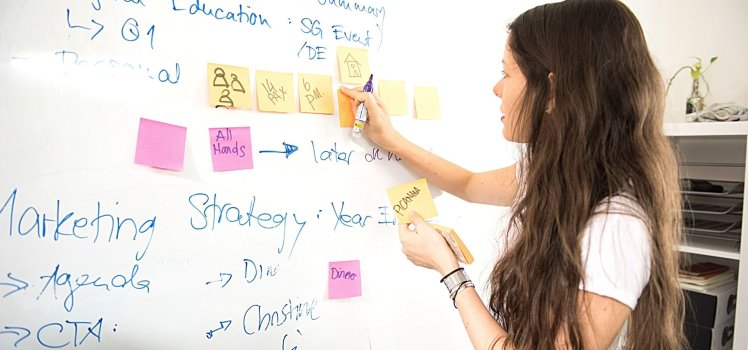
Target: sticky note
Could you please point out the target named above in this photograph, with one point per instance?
(160, 145)
(427, 102)
(345, 110)
(315, 94)
(392, 93)
(275, 91)
(412, 196)
(229, 86)
(344, 279)
(231, 148)
(461, 251)
(353, 65)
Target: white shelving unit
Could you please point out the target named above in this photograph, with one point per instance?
(717, 152)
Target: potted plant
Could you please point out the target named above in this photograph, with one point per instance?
(695, 102)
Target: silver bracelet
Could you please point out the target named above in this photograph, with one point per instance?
(454, 279)
(464, 285)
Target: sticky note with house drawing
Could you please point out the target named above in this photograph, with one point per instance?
(228, 86)
(353, 65)
(461, 251)
(412, 196)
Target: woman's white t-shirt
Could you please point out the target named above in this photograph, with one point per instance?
(616, 254)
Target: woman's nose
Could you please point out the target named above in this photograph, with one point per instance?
(498, 88)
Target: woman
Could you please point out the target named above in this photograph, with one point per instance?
(591, 260)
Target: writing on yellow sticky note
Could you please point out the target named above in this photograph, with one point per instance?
(427, 102)
(461, 251)
(353, 65)
(412, 196)
(345, 110)
(275, 91)
(392, 93)
(315, 94)
(228, 86)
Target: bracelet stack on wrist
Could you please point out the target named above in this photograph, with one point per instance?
(455, 282)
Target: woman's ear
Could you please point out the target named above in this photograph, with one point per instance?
(551, 104)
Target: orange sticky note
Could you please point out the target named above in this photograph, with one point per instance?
(392, 93)
(412, 196)
(315, 94)
(275, 91)
(228, 86)
(461, 251)
(345, 110)
(427, 102)
(353, 65)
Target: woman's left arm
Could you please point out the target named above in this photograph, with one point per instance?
(601, 318)
(424, 246)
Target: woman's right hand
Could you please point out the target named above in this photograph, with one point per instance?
(378, 127)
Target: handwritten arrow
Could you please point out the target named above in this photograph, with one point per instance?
(223, 325)
(71, 26)
(18, 287)
(101, 27)
(12, 330)
(222, 275)
(289, 149)
(76, 26)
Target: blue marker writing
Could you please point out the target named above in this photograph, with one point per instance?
(361, 113)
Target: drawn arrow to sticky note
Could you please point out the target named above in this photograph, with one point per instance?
(223, 325)
(225, 282)
(289, 149)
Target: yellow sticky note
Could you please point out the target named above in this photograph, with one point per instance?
(412, 196)
(427, 102)
(392, 93)
(275, 91)
(345, 110)
(461, 251)
(315, 94)
(228, 86)
(353, 65)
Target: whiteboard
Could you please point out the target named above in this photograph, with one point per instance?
(99, 252)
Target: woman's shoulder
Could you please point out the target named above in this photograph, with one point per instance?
(620, 205)
(619, 222)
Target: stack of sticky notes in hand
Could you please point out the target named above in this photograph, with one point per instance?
(415, 196)
(461, 252)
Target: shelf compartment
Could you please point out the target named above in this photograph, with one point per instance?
(728, 189)
(715, 209)
(711, 246)
(710, 226)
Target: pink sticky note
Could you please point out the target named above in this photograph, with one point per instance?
(344, 279)
(160, 145)
(231, 148)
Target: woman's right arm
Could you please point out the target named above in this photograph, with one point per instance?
(497, 187)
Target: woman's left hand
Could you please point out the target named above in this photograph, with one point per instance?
(425, 246)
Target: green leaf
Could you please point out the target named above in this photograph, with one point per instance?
(713, 59)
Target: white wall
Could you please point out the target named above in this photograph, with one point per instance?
(678, 30)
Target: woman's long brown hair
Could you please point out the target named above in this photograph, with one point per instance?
(602, 137)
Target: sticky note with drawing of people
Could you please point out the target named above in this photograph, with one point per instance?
(229, 86)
